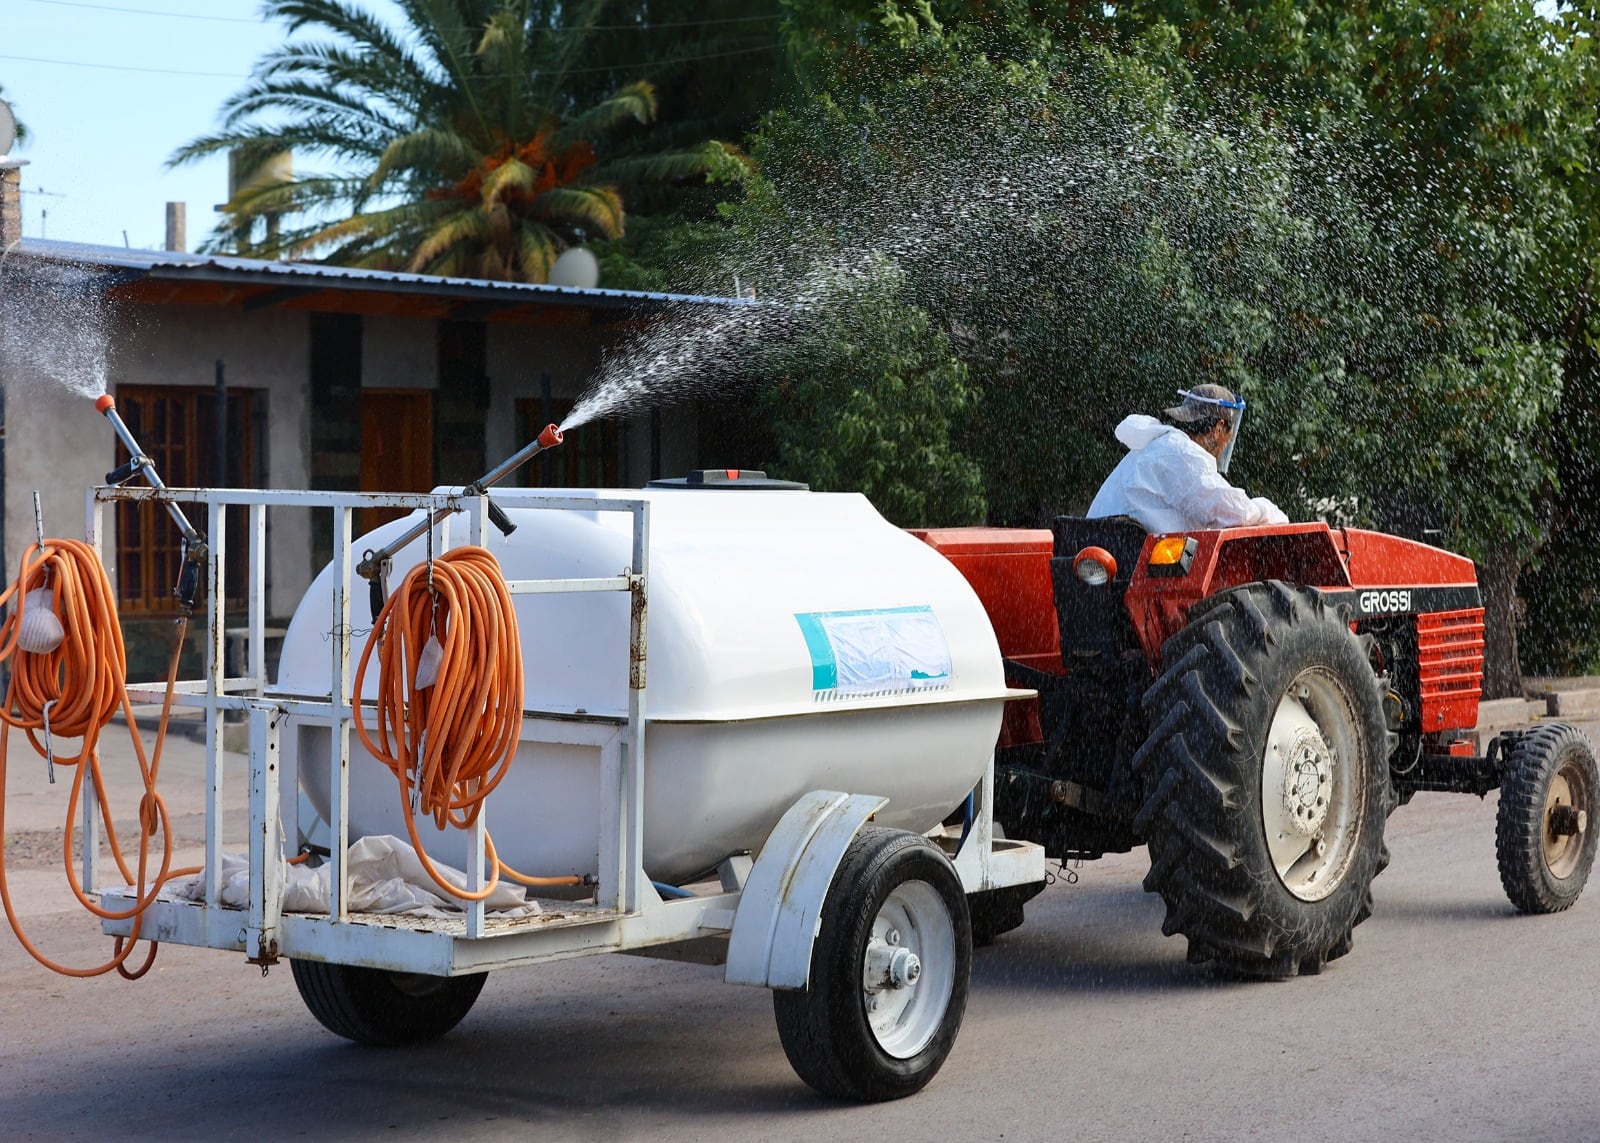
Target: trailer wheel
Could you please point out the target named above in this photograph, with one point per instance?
(1266, 782)
(1544, 835)
(889, 972)
(384, 1009)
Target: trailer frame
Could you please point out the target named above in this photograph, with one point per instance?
(766, 910)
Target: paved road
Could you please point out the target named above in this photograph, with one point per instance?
(1454, 1018)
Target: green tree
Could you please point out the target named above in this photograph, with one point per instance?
(865, 396)
(454, 144)
(1473, 126)
(717, 68)
(1361, 215)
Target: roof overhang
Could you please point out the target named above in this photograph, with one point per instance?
(168, 278)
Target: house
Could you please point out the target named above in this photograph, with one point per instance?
(244, 373)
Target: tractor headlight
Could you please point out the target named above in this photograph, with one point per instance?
(1094, 566)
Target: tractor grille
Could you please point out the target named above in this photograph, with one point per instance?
(1450, 668)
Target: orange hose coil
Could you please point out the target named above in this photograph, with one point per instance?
(451, 743)
(82, 683)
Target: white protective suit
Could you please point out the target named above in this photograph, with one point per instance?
(1169, 483)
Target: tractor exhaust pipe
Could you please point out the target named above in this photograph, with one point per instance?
(140, 464)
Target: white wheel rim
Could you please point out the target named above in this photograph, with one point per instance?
(908, 970)
(1563, 842)
(1313, 800)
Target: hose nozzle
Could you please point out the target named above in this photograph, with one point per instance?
(550, 437)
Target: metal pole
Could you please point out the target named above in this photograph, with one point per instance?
(655, 442)
(220, 427)
(547, 414)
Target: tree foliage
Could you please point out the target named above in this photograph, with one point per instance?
(1364, 216)
(454, 143)
(865, 396)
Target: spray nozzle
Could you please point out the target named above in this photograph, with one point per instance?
(551, 436)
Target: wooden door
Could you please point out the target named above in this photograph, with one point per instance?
(396, 448)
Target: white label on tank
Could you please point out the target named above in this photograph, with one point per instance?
(886, 651)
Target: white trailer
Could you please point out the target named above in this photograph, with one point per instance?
(847, 897)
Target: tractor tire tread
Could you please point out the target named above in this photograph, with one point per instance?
(1192, 814)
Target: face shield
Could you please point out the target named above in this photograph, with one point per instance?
(1234, 416)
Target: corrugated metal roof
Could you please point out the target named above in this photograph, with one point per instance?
(127, 265)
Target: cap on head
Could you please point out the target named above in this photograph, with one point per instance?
(1204, 404)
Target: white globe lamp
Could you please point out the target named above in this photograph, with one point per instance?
(577, 268)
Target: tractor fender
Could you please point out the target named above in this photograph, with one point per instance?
(780, 909)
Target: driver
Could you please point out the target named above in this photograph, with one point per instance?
(1172, 478)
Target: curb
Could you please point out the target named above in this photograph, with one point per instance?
(1503, 714)
(1572, 704)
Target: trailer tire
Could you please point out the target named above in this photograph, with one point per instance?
(384, 1009)
(1544, 831)
(849, 1037)
(1266, 782)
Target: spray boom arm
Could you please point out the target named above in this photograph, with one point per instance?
(375, 564)
(139, 464)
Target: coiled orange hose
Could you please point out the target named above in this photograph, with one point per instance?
(451, 743)
(79, 686)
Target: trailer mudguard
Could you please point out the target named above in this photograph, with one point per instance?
(780, 909)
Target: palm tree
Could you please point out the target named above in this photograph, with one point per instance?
(454, 148)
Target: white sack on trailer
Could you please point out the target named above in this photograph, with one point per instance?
(386, 876)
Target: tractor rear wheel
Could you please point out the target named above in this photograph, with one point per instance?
(1545, 830)
(1267, 782)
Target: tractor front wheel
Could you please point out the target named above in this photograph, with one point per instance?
(1545, 830)
(1267, 782)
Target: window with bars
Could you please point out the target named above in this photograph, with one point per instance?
(177, 427)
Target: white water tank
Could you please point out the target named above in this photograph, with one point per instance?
(797, 641)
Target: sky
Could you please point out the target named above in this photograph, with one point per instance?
(108, 90)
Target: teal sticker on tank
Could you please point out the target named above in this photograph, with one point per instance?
(881, 651)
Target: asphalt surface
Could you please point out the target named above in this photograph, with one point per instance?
(1453, 1018)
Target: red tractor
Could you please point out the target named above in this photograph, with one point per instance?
(1251, 704)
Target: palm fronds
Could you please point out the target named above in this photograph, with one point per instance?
(450, 144)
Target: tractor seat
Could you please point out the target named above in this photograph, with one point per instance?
(1094, 623)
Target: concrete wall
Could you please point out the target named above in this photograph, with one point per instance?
(55, 442)
(265, 351)
(518, 355)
